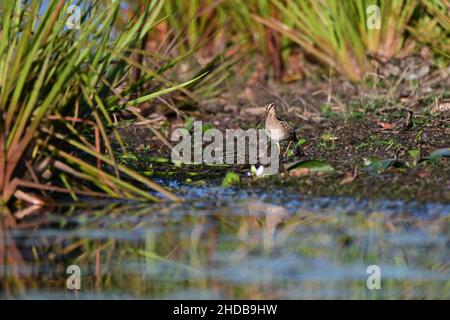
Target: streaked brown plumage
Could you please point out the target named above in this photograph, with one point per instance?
(277, 129)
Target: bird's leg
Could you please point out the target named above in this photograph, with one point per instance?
(290, 142)
(279, 149)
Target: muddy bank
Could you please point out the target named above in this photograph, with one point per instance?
(339, 123)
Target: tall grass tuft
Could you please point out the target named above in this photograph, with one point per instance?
(336, 32)
(433, 28)
(58, 83)
(340, 34)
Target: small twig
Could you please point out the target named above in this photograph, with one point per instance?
(34, 176)
(27, 211)
(172, 107)
(29, 197)
(285, 153)
(392, 143)
(355, 172)
(40, 186)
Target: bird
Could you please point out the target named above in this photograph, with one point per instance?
(277, 129)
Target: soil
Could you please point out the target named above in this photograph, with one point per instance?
(344, 126)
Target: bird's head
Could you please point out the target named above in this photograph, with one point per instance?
(270, 108)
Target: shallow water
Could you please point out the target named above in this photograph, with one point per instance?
(230, 244)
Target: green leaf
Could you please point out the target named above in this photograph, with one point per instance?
(300, 142)
(328, 136)
(163, 91)
(188, 123)
(128, 156)
(444, 152)
(297, 144)
(310, 166)
(155, 159)
(370, 160)
(230, 179)
(382, 165)
(206, 127)
(414, 153)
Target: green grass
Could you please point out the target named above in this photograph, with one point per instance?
(332, 32)
(58, 87)
(433, 28)
(336, 33)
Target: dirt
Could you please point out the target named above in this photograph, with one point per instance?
(344, 126)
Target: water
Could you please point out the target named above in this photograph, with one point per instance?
(230, 244)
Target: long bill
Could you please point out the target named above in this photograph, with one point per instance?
(260, 119)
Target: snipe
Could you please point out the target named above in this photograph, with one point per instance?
(277, 129)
